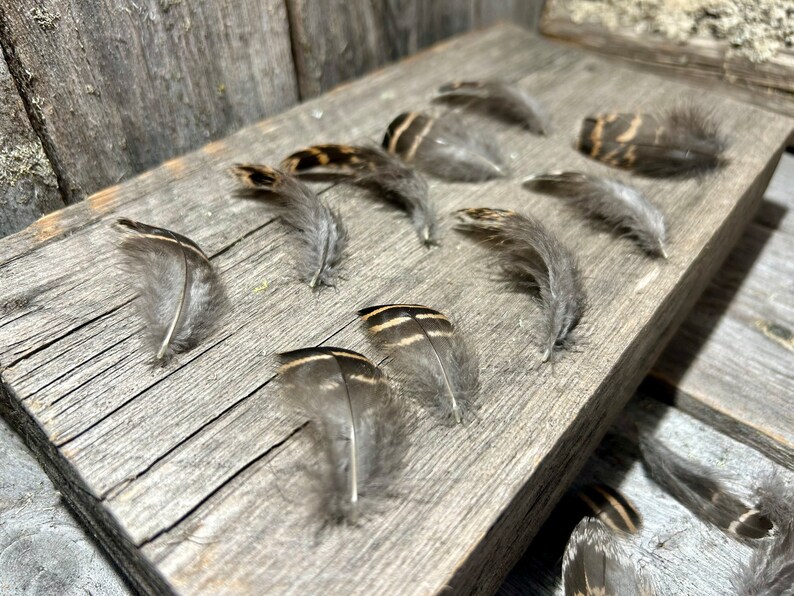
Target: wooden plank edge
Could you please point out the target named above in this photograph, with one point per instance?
(483, 572)
(139, 574)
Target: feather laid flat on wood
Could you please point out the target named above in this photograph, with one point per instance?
(595, 564)
(435, 365)
(179, 294)
(532, 257)
(611, 508)
(323, 235)
(703, 492)
(444, 147)
(684, 142)
(359, 431)
(618, 204)
(374, 168)
(770, 570)
(503, 100)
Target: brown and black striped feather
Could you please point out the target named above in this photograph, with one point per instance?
(611, 507)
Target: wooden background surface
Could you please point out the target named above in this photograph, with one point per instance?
(121, 436)
(92, 93)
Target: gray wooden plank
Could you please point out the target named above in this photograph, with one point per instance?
(115, 88)
(334, 40)
(683, 554)
(730, 364)
(42, 549)
(213, 463)
(28, 187)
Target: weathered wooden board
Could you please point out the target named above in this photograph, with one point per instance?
(42, 548)
(732, 361)
(28, 187)
(191, 474)
(673, 546)
(703, 59)
(116, 87)
(334, 40)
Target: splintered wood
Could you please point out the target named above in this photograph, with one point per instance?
(193, 475)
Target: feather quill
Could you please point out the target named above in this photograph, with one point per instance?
(372, 167)
(611, 507)
(444, 147)
(595, 564)
(435, 365)
(703, 492)
(323, 235)
(770, 570)
(533, 257)
(685, 141)
(179, 294)
(502, 100)
(618, 204)
(358, 430)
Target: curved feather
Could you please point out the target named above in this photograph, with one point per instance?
(179, 294)
(611, 507)
(444, 147)
(595, 564)
(372, 167)
(703, 492)
(436, 366)
(503, 100)
(532, 257)
(618, 204)
(358, 430)
(323, 235)
(685, 141)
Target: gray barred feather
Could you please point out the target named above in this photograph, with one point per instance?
(595, 564)
(532, 257)
(180, 297)
(359, 432)
(618, 204)
(322, 233)
(435, 365)
(500, 99)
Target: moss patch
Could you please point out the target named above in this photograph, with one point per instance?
(23, 161)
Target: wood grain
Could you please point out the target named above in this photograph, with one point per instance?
(190, 474)
(731, 363)
(702, 59)
(673, 546)
(28, 187)
(334, 40)
(116, 87)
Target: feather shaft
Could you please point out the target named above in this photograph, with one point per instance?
(618, 204)
(435, 365)
(322, 232)
(533, 257)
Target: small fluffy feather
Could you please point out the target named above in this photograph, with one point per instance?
(180, 297)
(434, 363)
(770, 571)
(447, 148)
(533, 257)
(703, 492)
(372, 167)
(685, 141)
(503, 100)
(618, 204)
(358, 430)
(322, 233)
(595, 564)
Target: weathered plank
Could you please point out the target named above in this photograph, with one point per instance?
(731, 362)
(334, 40)
(189, 473)
(702, 59)
(42, 549)
(673, 546)
(118, 87)
(28, 188)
